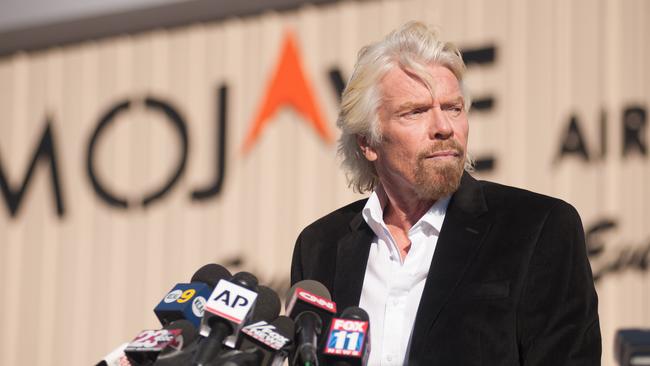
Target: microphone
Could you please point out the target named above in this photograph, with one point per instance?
(189, 334)
(227, 310)
(632, 347)
(285, 327)
(145, 348)
(187, 300)
(348, 339)
(182, 353)
(236, 357)
(267, 306)
(309, 305)
(271, 342)
(309, 329)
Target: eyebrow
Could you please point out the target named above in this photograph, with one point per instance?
(415, 105)
(411, 105)
(457, 100)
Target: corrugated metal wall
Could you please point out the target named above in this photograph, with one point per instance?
(78, 285)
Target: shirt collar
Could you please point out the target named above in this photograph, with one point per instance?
(373, 213)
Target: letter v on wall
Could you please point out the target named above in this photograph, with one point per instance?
(288, 86)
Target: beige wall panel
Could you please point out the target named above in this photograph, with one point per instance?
(488, 127)
(645, 39)
(611, 290)
(14, 234)
(514, 52)
(105, 268)
(85, 244)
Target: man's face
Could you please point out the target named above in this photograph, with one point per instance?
(424, 137)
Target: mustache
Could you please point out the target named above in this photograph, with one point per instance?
(444, 145)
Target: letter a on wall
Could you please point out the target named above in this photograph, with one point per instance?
(288, 86)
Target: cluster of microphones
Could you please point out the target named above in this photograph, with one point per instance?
(231, 320)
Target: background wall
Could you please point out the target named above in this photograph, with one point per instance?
(562, 91)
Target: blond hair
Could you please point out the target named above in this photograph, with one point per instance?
(413, 46)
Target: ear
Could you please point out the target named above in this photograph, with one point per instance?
(368, 151)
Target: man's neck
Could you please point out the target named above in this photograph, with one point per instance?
(402, 211)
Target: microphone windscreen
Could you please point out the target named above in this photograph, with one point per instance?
(356, 313)
(245, 279)
(285, 326)
(312, 286)
(188, 331)
(267, 306)
(210, 274)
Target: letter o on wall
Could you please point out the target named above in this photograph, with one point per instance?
(179, 126)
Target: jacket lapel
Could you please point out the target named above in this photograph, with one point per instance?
(351, 260)
(463, 230)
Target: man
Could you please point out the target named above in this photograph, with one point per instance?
(452, 271)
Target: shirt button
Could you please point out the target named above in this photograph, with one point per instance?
(396, 302)
(389, 358)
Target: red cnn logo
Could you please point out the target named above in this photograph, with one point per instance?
(317, 300)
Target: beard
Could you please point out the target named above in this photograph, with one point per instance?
(437, 179)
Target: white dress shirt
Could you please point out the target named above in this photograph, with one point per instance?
(392, 288)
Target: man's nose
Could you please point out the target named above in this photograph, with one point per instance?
(440, 127)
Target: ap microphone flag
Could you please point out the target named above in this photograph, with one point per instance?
(229, 301)
(228, 309)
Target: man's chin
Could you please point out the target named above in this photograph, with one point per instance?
(441, 181)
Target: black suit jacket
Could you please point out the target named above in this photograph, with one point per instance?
(509, 282)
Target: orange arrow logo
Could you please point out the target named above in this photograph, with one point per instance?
(288, 86)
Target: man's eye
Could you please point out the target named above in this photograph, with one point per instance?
(455, 110)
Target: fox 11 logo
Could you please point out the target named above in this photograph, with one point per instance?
(346, 337)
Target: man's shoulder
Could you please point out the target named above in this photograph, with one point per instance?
(316, 246)
(518, 200)
(336, 221)
(498, 190)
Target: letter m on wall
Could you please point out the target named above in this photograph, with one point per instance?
(45, 154)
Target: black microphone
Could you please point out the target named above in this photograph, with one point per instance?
(187, 300)
(148, 345)
(309, 327)
(189, 334)
(348, 339)
(309, 305)
(227, 310)
(181, 355)
(250, 357)
(267, 305)
(270, 342)
(632, 347)
(211, 274)
(286, 328)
